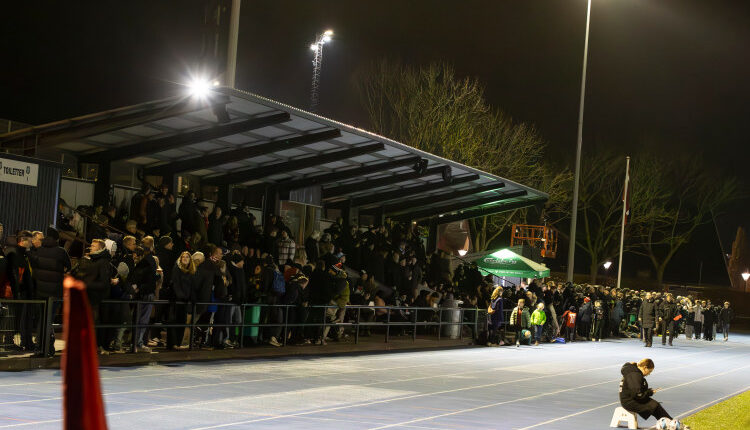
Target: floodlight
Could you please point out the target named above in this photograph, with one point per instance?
(326, 38)
(746, 276)
(199, 88)
(607, 265)
(217, 83)
(328, 33)
(462, 252)
(314, 47)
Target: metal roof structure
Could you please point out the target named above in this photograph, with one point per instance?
(234, 138)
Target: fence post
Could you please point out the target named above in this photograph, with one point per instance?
(134, 326)
(243, 309)
(356, 329)
(414, 332)
(476, 323)
(440, 322)
(286, 327)
(192, 327)
(461, 327)
(323, 332)
(47, 330)
(388, 324)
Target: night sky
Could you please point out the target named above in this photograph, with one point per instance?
(667, 75)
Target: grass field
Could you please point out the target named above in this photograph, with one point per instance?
(733, 413)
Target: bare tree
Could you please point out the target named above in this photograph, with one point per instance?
(433, 110)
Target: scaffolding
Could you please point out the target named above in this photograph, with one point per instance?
(537, 236)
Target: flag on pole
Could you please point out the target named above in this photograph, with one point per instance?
(83, 407)
(626, 197)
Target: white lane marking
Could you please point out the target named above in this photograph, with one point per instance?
(712, 402)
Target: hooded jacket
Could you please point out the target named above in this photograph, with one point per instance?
(635, 396)
(647, 314)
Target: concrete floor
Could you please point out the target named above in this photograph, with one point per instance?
(552, 386)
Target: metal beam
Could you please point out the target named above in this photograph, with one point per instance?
(115, 119)
(153, 146)
(404, 192)
(369, 184)
(353, 172)
(426, 213)
(217, 159)
(413, 204)
(241, 176)
(490, 210)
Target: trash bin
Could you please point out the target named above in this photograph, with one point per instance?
(451, 319)
(252, 316)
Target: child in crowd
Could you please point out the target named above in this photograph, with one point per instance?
(598, 318)
(538, 318)
(569, 324)
(519, 319)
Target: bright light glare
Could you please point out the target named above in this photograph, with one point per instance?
(199, 88)
(328, 33)
(462, 252)
(326, 38)
(314, 47)
(746, 276)
(217, 83)
(607, 265)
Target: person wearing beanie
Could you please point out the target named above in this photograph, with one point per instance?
(584, 317)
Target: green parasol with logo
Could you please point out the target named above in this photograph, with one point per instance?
(507, 263)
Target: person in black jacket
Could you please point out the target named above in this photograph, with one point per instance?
(182, 285)
(50, 264)
(22, 286)
(143, 282)
(709, 318)
(647, 317)
(726, 315)
(296, 295)
(238, 293)
(96, 272)
(635, 396)
(668, 311)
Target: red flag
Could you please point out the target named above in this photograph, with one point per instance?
(83, 407)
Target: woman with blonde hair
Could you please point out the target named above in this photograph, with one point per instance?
(183, 287)
(495, 317)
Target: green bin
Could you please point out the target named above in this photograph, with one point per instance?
(252, 316)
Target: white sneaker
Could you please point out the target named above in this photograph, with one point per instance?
(274, 342)
(142, 349)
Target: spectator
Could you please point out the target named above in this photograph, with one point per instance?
(598, 318)
(143, 282)
(286, 247)
(216, 227)
(647, 317)
(538, 318)
(311, 246)
(339, 293)
(726, 315)
(667, 313)
(709, 317)
(569, 324)
(520, 319)
(50, 264)
(495, 310)
(296, 297)
(585, 314)
(182, 282)
(22, 286)
(96, 272)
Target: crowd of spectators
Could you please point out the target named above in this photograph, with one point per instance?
(158, 264)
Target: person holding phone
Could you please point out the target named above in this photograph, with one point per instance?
(635, 396)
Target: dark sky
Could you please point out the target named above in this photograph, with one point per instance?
(664, 74)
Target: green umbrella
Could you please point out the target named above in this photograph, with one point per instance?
(507, 263)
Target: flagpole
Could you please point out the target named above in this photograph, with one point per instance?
(624, 209)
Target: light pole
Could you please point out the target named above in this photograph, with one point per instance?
(317, 47)
(574, 212)
(746, 276)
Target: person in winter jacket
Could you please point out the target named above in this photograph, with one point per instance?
(617, 315)
(698, 320)
(726, 315)
(647, 317)
(709, 318)
(495, 311)
(538, 318)
(635, 396)
(339, 289)
(520, 319)
(668, 311)
(584, 317)
(182, 285)
(598, 316)
(569, 324)
(96, 272)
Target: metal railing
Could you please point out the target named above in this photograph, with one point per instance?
(317, 318)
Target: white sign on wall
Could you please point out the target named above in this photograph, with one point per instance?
(18, 172)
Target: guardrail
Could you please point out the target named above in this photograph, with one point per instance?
(384, 317)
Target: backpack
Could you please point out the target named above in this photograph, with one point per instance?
(279, 286)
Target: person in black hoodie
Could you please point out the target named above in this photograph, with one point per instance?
(726, 315)
(22, 286)
(647, 317)
(668, 311)
(635, 396)
(143, 281)
(182, 283)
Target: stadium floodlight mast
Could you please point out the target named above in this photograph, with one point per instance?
(317, 47)
(201, 87)
(576, 180)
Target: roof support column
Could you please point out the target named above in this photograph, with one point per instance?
(224, 198)
(432, 236)
(270, 203)
(102, 186)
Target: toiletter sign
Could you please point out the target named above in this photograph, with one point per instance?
(18, 172)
